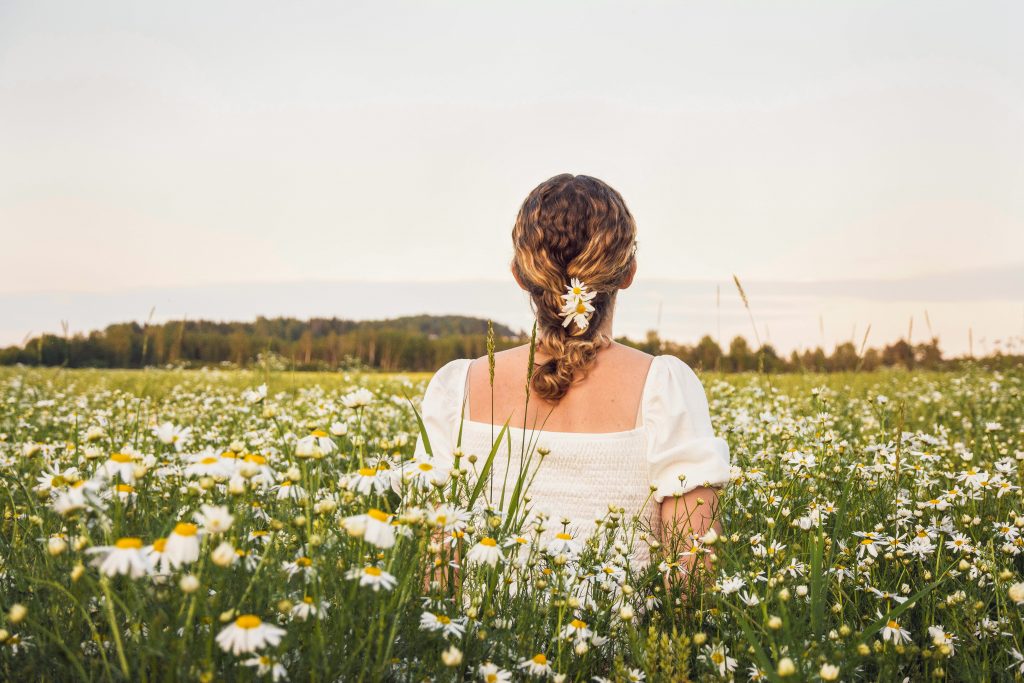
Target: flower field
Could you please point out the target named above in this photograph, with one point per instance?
(166, 525)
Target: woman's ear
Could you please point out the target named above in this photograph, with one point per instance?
(516, 276)
(629, 276)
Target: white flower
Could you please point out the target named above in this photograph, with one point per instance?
(182, 546)
(563, 543)
(120, 465)
(124, 557)
(439, 622)
(265, 665)
(307, 607)
(248, 633)
(255, 395)
(485, 552)
(536, 665)
(576, 629)
(359, 398)
(577, 306)
(374, 577)
(224, 555)
(829, 672)
(367, 480)
(718, 657)
(452, 656)
(375, 527)
(169, 434)
(317, 444)
(894, 632)
(1016, 593)
(492, 673)
(215, 518)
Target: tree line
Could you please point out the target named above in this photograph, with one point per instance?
(412, 343)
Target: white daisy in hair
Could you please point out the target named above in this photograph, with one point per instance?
(577, 307)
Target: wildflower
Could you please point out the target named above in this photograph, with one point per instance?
(576, 629)
(215, 518)
(248, 633)
(224, 555)
(563, 543)
(367, 480)
(785, 667)
(168, 434)
(439, 622)
(317, 444)
(124, 557)
(119, 465)
(492, 673)
(577, 306)
(894, 632)
(1016, 593)
(485, 552)
(452, 656)
(829, 672)
(536, 665)
(255, 395)
(359, 398)
(374, 526)
(266, 665)
(182, 546)
(307, 607)
(374, 577)
(718, 657)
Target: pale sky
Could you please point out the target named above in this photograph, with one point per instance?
(187, 146)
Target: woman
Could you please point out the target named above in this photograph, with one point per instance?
(611, 424)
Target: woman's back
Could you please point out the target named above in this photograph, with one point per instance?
(606, 400)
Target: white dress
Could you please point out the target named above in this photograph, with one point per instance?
(585, 472)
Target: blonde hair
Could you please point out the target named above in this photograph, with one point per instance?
(571, 226)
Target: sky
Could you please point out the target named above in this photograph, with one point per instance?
(857, 162)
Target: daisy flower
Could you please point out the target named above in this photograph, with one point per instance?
(307, 607)
(168, 434)
(563, 543)
(359, 398)
(248, 633)
(124, 557)
(374, 577)
(576, 629)
(215, 519)
(119, 465)
(374, 526)
(289, 490)
(492, 673)
(265, 665)
(536, 665)
(367, 480)
(182, 546)
(317, 444)
(718, 657)
(894, 632)
(439, 622)
(485, 552)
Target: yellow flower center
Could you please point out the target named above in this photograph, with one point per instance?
(125, 488)
(308, 600)
(580, 308)
(488, 541)
(426, 466)
(303, 562)
(258, 459)
(893, 624)
(372, 571)
(121, 457)
(318, 433)
(159, 544)
(540, 659)
(378, 515)
(443, 619)
(128, 543)
(563, 537)
(576, 623)
(208, 460)
(230, 455)
(248, 621)
(185, 529)
(367, 471)
(577, 291)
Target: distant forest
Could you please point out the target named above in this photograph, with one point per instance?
(413, 343)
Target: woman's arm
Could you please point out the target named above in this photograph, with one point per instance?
(687, 517)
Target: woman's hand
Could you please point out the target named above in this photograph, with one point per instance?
(439, 570)
(687, 518)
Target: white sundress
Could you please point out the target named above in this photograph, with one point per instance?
(585, 472)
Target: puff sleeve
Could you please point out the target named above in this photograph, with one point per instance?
(440, 410)
(680, 439)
